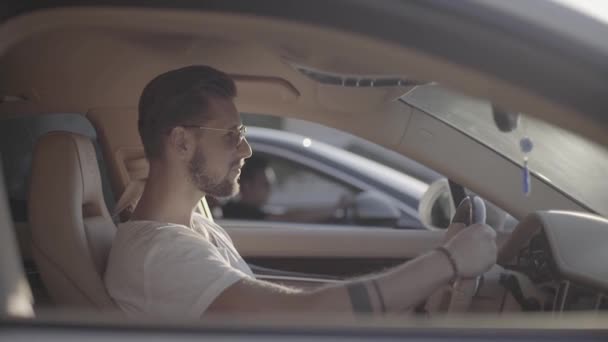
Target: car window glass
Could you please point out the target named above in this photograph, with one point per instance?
(316, 166)
(297, 194)
(301, 187)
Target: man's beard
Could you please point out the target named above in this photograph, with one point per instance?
(225, 187)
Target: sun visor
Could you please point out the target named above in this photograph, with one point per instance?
(271, 89)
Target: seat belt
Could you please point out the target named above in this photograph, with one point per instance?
(457, 191)
(138, 174)
(128, 200)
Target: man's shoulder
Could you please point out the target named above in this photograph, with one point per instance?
(203, 220)
(158, 242)
(210, 225)
(149, 232)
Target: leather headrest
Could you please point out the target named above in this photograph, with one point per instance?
(72, 230)
(65, 166)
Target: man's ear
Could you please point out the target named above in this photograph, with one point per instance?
(181, 142)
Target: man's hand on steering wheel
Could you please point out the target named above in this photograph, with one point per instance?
(473, 249)
(471, 242)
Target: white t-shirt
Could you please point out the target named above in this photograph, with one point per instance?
(168, 270)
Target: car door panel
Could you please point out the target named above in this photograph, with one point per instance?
(314, 250)
(275, 239)
(325, 268)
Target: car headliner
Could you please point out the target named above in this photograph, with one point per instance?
(528, 28)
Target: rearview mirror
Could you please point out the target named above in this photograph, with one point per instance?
(505, 121)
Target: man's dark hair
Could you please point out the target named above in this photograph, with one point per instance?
(253, 165)
(175, 98)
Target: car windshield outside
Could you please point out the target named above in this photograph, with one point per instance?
(569, 162)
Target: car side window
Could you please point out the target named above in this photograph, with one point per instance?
(297, 186)
(288, 191)
(387, 187)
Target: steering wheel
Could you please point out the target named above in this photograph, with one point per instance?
(463, 290)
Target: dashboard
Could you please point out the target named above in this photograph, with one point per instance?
(564, 258)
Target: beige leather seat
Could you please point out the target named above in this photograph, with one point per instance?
(72, 230)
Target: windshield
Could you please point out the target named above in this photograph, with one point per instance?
(571, 163)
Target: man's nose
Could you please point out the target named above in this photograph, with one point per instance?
(244, 149)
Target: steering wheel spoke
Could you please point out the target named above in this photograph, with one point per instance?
(459, 296)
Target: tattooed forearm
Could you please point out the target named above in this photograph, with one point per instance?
(359, 298)
(380, 296)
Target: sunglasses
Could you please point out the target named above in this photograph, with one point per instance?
(235, 136)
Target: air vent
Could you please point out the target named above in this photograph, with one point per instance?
(356, 80)
(574, 297)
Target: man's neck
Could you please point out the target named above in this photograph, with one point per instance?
(167, 198)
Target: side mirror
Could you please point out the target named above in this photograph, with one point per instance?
(373, 209)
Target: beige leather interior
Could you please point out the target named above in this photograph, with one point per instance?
(97, 60)
(72, 230)
(275, 239)
(303, 240)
